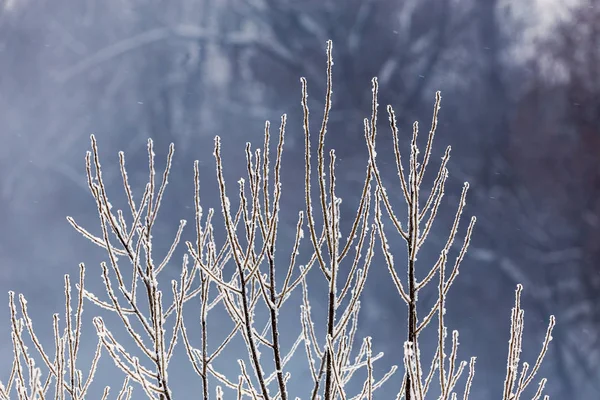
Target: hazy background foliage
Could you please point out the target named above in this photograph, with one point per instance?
(521, 108)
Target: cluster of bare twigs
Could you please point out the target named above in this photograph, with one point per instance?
(250, 242)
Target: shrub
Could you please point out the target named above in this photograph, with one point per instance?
(156, 325)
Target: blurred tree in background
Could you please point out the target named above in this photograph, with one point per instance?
(556, 143)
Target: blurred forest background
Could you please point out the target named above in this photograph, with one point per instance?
(521, 107)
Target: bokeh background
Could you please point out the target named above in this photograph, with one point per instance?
(521, 108)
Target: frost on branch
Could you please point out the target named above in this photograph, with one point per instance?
(249, 293)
